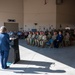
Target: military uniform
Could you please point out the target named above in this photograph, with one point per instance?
(28, 38)
(67, 39)
(32, 39)
(39, 39)
(36, 39)
(49, 36)
(51, 40)
(58, 40)
(43, 41)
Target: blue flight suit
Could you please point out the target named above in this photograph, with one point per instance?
(4, 48)
(58, 40)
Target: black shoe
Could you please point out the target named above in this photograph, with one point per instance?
(6, 67)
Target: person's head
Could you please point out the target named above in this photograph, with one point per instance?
(60, 32)
(33, 32)
(3, 29)
(54, 33)
(37, 33)
(29, 32)
(40, 33)
(49, 32)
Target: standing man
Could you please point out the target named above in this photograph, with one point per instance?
(4, 46)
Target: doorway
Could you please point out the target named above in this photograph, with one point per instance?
(11, 26)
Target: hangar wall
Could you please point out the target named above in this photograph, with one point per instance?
(11, 9)
(36, 11)
(65, 14)
(30, 12)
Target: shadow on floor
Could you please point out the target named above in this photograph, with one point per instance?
(65, 55)
(40, 67)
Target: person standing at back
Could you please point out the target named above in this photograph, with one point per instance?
(4, 47)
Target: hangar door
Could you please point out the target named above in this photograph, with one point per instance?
(11, 26)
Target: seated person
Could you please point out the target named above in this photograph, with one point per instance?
(58, 40)
(67, 39)
(36, 38)
(74, 35)
(50, 42)
(29, 37)
(44, 40)
(19, 33)
(72, 38)
(32, 39)
(39, 39)
(49, 36)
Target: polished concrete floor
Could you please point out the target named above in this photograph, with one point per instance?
(43, 61)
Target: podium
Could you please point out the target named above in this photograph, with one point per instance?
(14, 55)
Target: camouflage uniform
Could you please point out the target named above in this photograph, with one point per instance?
(36, 39)
(28, 38)
(51, 40)
(67, 39)
(32, 39)
(43, 41)
(39, 39)
(49, 36)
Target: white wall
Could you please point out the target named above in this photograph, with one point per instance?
(36, 12)
(11, 9)
(28, 12)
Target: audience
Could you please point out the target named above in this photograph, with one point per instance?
(53, 38)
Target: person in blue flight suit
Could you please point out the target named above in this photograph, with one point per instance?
(58, 40)
(4, 46)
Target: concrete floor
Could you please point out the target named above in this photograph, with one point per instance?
(43, 61)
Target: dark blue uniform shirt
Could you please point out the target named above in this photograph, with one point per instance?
(4, 42)
(59, 38)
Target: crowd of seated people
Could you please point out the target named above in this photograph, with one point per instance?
(55, 38)
(19, 34)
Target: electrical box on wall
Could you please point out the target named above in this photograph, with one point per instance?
(35, 24)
